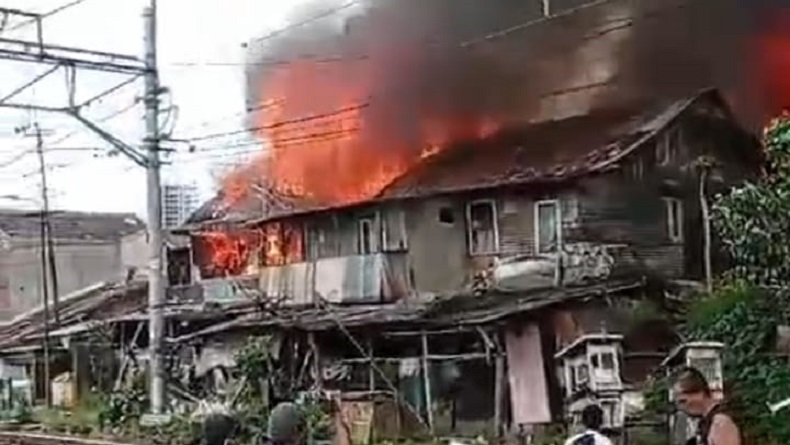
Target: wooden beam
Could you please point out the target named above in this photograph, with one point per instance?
(430, 357)
(426, 371)
(318, 370)
(371, 367)
(499, 381)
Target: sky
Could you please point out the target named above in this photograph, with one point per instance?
(201, 60)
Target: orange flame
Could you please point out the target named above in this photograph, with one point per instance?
(221, 254)
(331, 140)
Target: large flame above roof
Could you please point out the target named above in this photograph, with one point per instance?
(344, 109)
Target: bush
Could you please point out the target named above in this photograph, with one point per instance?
(745, 319)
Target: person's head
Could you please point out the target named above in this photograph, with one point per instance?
(286, 424)
(692, 392)
(592, 417)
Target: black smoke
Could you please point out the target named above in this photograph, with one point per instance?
(446, 57)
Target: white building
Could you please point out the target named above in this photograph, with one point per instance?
(178, 202)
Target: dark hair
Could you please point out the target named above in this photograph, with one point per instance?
(692, 381)
(592, 417)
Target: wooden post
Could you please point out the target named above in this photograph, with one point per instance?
(317, 368)
(34, 379)
(499, 383)
(10, 383)
(371, 371)
(426, 373)
(706, 223)
(75, 370)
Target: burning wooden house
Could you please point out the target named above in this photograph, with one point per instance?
(457, 285)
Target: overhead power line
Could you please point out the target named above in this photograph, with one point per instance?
(49, 13)
(282, 123)
(604, 28)
(307, 21)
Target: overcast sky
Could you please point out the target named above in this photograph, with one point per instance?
(201, 60)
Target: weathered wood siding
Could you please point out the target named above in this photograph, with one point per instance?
(624, 208)
(437, 250)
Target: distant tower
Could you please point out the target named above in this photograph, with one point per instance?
(178, 202)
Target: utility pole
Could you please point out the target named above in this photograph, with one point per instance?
(156, 289)
(44, 281)
(61, 57)
(47, 237)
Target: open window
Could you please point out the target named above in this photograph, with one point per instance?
(481, 227)
(673, 212)
(547, 226)
(367, 235)
(393, 230)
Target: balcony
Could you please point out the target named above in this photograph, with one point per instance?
(375, 278)
(578, 263)
(215, 290)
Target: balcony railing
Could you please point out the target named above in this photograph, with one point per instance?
(577, 263)
(381, 277)
(215, 290)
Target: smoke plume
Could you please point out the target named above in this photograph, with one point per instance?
(349, 101)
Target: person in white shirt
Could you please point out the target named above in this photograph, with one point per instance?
(592, 419)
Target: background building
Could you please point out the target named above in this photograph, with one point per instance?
(89, 248)
(178, 202)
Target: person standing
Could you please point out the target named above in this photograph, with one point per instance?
(693, 396)
(592, 420)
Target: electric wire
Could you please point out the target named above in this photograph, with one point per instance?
(281, 123)
(601, 31)
(49, 13)
(26, 152)
(307, 21)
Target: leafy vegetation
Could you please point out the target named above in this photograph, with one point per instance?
(254, 368)
(125, 407)
(745, 319)
(753, 222)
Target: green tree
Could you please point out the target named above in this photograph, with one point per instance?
(753, 220)
(745, 319)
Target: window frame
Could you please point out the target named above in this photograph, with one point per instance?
(315, 239)
(637, 168)
(385, 227)
(674, 213)
(494, 223)
(668, 146)
(557, 219)
(375, 244)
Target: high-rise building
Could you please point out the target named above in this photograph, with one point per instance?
(178, 202)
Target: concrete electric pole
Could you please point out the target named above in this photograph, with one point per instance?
(156, 288)
(47, 238)
(67, 58)
(45, 253)
(44, 280)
